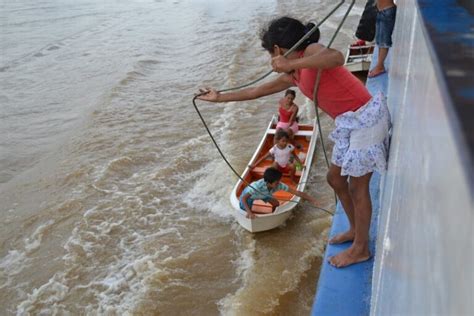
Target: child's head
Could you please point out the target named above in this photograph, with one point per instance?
(286, 32)
(272, 177)
(282, 138)
(290, 96)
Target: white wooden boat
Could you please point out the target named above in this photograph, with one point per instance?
(265, 219)
(358, 58)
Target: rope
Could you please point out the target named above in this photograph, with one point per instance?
(316, 86)
(292, 49)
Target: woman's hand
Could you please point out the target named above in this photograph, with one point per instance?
(281, 64)
(208, 94)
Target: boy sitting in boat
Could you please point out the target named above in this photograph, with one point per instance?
(263, 189)
(281, 152)
(288, 112)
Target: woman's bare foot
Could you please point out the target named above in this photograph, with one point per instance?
(350, 256)
(341, 238)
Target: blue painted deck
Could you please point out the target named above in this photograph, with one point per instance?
(347, 291)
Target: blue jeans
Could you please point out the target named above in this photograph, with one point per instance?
(384, 27)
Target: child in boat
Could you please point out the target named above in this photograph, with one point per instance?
(288, 112)
(263, 189)
(281, 152)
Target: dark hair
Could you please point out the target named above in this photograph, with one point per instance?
(281, 133)
(286, 32)
(289, 91)
(271, 175)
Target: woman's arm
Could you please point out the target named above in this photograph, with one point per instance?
(281, 83)
(315, 56)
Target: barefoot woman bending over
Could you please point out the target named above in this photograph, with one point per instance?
(362, 122)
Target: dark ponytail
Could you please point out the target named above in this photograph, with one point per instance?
(314, 38)
(286, 32)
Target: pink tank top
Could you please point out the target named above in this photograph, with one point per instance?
(285, 115)
(339, 90)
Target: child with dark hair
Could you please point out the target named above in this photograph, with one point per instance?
(263, 189)
(362, 122)
(281, 152)
(288, 111)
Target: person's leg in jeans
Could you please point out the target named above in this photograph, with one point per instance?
(383, 38)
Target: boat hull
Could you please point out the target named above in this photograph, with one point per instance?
(266, 220)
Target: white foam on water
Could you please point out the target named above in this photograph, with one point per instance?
(246, 260)
(124, 284)
(210, 193)
(10, 265)
(211, 190)
(32, 243)
(122, 221)
(49, 295)
(117, 286)
(17, 260)
(266, 278)
(243, 266)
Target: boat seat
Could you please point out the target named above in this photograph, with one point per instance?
(300, 133)
(261, 170)
(304, 133)
(283, 195)
(268, 162)
(261, 207)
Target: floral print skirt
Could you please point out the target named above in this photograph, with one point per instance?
(362, 138)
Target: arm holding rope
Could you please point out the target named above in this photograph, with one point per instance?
(281, 83)
(315, 56)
